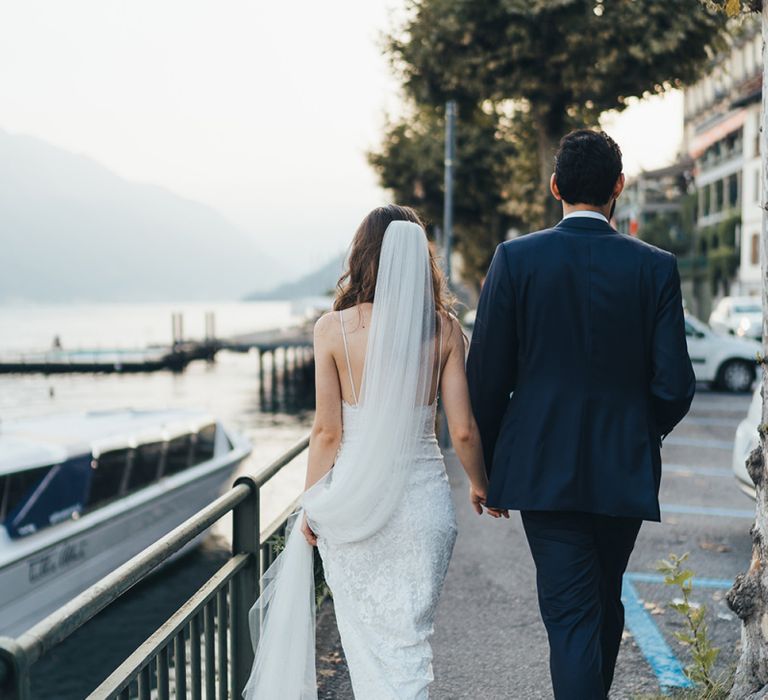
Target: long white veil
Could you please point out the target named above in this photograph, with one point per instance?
(359, 495)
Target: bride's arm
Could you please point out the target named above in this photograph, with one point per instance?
(462, 426)
(325, 437)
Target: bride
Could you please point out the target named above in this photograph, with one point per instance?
(377, 503)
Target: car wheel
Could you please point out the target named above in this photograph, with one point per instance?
(736, 375)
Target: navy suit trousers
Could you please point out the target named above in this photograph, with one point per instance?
(580, 561)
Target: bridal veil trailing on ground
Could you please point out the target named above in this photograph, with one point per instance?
(363, 489)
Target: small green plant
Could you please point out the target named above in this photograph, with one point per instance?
(695, 636)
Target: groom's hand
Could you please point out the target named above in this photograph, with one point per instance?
(498, 512)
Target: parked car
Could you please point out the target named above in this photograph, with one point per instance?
(742, 316)
(745, 441)
(724, 361)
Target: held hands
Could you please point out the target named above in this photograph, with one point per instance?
(306, 530)
(477, 497)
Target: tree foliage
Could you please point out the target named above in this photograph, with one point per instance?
(410, 164)
(527, 71)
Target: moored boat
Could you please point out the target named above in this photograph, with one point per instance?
(80, 494)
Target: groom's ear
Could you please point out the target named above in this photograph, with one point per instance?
(556, 192)
(618, 188)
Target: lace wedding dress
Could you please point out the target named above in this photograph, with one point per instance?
(383, 514)
(385, 588)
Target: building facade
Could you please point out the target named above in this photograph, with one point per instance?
(721, 139)
(706, 208)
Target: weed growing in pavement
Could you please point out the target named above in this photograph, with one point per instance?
(695, 636)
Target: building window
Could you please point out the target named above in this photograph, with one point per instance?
(757, 186)
(733, 190)
(754, 253)
(717, 203)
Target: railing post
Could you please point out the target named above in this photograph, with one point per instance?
(14, 671)
(245, 539)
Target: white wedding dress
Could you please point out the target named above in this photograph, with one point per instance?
(382, 514)
(386, 587)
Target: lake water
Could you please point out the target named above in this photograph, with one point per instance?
(228, 388)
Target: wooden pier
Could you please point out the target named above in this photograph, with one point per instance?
(289, 349)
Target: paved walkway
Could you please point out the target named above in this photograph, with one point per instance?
(489, 641)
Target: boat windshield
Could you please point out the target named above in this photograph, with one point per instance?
(32, 499)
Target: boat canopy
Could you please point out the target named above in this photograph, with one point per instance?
(56, 468)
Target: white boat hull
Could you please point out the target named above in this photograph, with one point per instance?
(73, 555)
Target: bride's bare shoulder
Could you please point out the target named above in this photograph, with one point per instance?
(327, 325)
(453, 333)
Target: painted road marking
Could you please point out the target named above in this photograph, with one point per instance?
(719, 583)
(653, 646)
(700, 442)
(701, 471)
(705, 510)
(660, 657)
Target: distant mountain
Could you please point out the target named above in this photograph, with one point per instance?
(72, 230)
(317, 283)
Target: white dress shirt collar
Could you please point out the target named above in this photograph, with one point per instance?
(589, 214)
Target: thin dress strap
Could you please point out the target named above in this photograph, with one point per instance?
(346, 353)
(439, 356)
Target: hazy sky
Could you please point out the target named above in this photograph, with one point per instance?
(263, 110)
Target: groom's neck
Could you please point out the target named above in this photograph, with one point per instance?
(570, 208)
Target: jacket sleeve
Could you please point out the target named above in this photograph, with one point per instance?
(492, 362)
(672, 381)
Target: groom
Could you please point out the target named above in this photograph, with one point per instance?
(578, 368)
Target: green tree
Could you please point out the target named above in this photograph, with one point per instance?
(558, 61)
(410, 164)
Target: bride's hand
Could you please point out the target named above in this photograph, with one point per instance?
(478, 496)
(306, 530)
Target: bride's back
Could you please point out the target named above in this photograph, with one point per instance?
(351, 327)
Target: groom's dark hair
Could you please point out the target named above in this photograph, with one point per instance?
(587, 165)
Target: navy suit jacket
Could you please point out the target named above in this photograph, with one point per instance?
(577, 368)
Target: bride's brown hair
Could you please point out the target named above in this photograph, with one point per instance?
(358, 283)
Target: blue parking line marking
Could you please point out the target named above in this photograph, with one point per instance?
(702, 471)
(700, 442)
(653, 646)
(660, 657)
(704, 510)
(718, 583)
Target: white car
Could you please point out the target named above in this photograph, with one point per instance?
(724, 361)
(742, 316)
(745, 441)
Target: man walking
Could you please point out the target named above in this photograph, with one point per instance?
(578, 368)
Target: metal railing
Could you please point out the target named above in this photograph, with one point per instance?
(204, 649)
